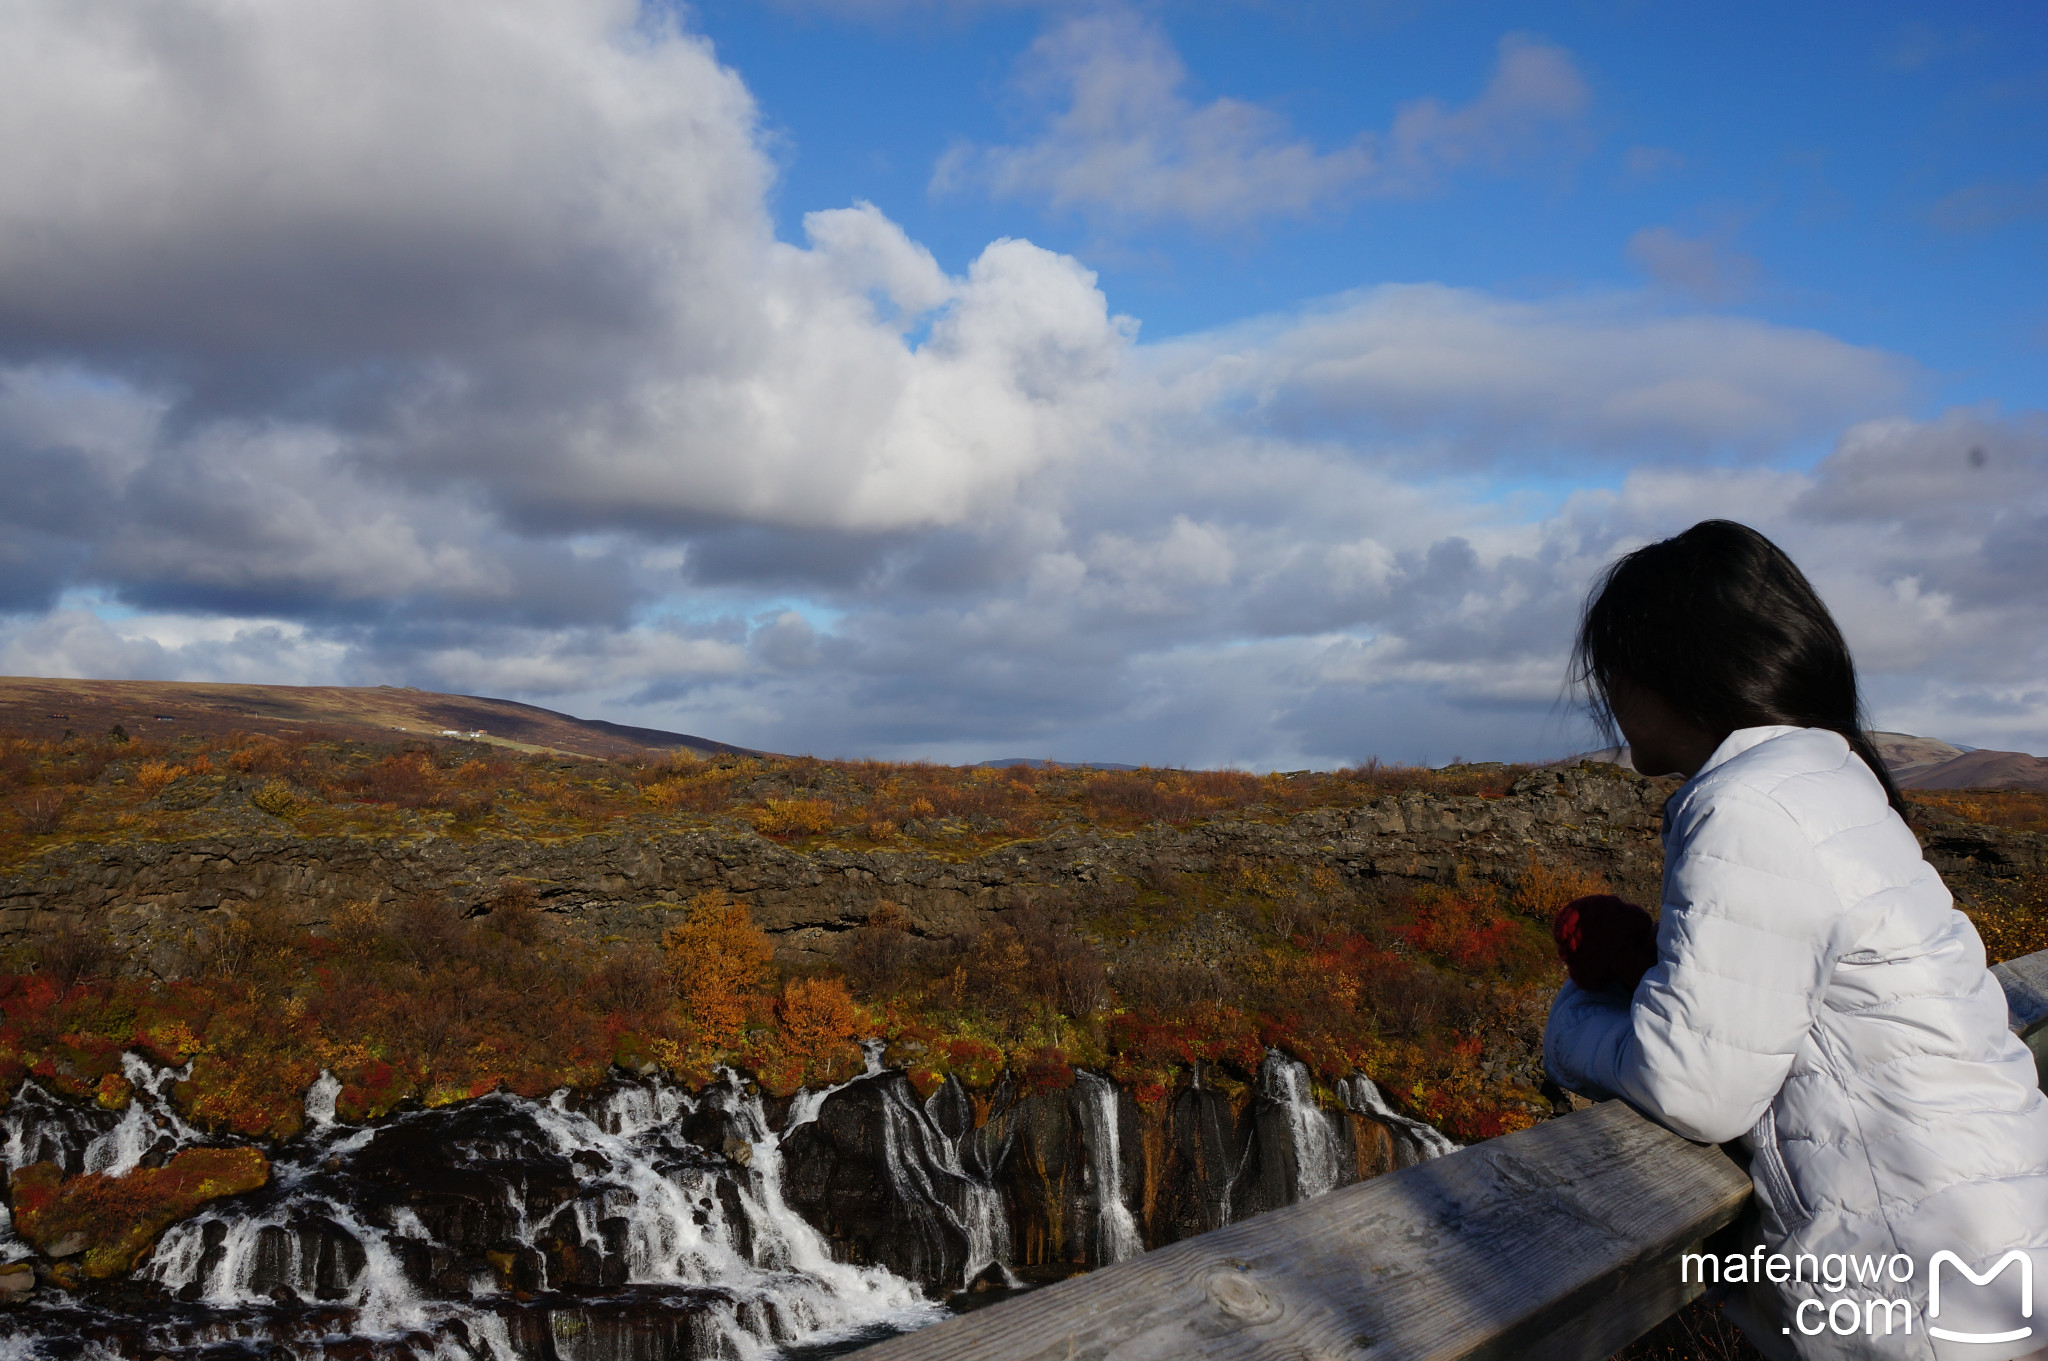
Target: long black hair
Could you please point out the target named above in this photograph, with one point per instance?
(1719, 623)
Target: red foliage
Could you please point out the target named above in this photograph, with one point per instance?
(1465, 928)
(1045, 1070)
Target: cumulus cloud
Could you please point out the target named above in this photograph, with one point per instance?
(519, 251)
(452, 346)
(1130, 145)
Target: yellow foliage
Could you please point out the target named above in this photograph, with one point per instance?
(666, 794)
(1541, 890)
(276, 798)
(793, 815)
(156, 776)
(717, 961)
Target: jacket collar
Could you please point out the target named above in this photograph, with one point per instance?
(1739, 741)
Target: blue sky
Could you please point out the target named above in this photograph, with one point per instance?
(1209, 383)
(1873, 170)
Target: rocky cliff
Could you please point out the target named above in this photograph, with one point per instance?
(643, 1220)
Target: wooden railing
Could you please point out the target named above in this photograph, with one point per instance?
(1560, 1243)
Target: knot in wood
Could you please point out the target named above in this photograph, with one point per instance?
(1241, 1297)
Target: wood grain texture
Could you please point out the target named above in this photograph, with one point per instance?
(2025, 981)
(1498, 1250)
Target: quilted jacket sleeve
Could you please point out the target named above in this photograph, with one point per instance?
(1748, 938)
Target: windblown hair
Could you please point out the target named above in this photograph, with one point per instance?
(1719, 623)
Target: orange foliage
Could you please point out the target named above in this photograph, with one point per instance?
(818, 1019)
(115, 1218)
(153, 777)
(717, 961)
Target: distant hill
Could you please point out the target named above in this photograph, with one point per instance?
(366, 713)
(1982, 770)
(1906, 755)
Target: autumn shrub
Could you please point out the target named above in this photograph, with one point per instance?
(1064, 966)
(717, 962)
(1465, 927)
(1540, 890)
(667, 795)
(993, 979)
(818, 1018)
(783, 817)
(515, 914)
(113, 1219)
(153, 777)
(277, 798)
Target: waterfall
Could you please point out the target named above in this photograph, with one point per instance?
(915, 1150)
(614, 1228)
(1318, 1159)
(808, 1102)
(1414, 1141)
(1116, 1232)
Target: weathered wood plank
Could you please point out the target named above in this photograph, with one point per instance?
(1499, 1250)
(2025, 981)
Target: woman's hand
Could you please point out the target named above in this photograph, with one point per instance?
(1607, 944)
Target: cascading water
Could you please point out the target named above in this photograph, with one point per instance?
(1117, 1236)
(1414, 1141)
(1318, 1158)
(924, 1169)
(501, 1228)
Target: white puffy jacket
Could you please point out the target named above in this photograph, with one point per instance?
(1817, 994)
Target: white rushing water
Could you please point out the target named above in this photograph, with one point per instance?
(753, 1273)
(1117, 1236)
(925, 1171)
(1318, 1156)
(1414, 1141)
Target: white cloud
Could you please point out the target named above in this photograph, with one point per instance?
(1598, 375)
(1130, 145)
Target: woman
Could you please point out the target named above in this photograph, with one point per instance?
(1815, 991)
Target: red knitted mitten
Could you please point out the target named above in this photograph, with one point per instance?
(1607, 944)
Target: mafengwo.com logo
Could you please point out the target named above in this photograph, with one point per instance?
(1871, 1314)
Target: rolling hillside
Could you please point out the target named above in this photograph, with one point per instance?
(47, 707)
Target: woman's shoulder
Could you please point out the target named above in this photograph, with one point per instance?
(1808, 776)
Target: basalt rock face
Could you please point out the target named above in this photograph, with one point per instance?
(151, 892)
(640, 1220)
(1081, 1176)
